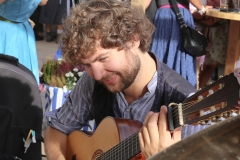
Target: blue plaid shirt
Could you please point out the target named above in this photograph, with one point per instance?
(76, 111)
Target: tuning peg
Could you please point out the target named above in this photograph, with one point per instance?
(220, 119)
(229, 113)
(207, 121)
(200, 97)
(226, 114)
(210, 92)
(210, 122)
(217, 118)
(209, 83)
(220, 76)
(232, 113)
(213, 118)
(212, 109)
(202, 113)
(202, 122)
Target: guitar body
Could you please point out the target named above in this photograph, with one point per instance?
(110, 132)
(117, 138)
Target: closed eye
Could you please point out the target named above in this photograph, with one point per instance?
(102, 59)
(86, 65)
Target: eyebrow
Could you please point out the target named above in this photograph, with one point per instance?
(95, 59)
(102, 54)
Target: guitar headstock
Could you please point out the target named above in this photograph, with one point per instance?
(211, 104)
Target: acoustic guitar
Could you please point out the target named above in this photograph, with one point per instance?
(117, 138)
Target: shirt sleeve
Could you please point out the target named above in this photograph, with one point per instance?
(76, 110)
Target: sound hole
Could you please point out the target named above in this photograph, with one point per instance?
(97, 154)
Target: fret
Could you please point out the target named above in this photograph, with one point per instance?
(122, 150)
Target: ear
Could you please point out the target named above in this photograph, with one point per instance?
(136, 41)
(136, 44)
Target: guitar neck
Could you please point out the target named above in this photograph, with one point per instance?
(125, 150)
(209, 105)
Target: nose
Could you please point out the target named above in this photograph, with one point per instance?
(96, 72)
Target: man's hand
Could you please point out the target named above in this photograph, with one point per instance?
(55, 143)
(43, 2)
(155, 135)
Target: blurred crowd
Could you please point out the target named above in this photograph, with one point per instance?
(197, 70)
(167, 39)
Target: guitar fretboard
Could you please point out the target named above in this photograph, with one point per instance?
(124, 150)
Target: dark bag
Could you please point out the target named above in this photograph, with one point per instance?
(194, 42)
(20, 111)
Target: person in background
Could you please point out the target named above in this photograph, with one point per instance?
(17, 36)
(167, 39)
(38, 28)
(52, 14)
(111, 40)
(216, 30)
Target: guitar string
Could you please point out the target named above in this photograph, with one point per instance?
(188, 105)
(124, 146)
(129, 143)
(184, 106)
(113, 152)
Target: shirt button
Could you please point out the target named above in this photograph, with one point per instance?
(128, 110)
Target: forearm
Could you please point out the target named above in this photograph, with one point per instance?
(197, 4)
(147, 2)
(55, 144)
(43, 2)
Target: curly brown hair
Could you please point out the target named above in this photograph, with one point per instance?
(112, 23)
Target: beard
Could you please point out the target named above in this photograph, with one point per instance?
(127, 74)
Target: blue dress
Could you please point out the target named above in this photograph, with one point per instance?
(16, 36)
(167, 43)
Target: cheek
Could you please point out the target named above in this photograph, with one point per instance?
(112, 66)
(115, 64)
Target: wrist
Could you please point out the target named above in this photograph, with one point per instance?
(201, 11)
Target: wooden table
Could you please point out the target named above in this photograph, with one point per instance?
(233, 51)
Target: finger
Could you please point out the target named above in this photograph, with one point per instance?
(152, 127)
(144, 129)
(147, 118)
(149, 137)
(176, 136)
(164, 132)
(141, 141)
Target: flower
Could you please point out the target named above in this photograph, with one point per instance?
(60, 74)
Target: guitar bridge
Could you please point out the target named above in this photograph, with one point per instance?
(175, 116)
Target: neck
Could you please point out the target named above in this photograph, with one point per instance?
(139, 86)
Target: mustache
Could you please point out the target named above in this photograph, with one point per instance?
(107, 77)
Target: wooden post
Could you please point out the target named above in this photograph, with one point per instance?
(233, 51)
